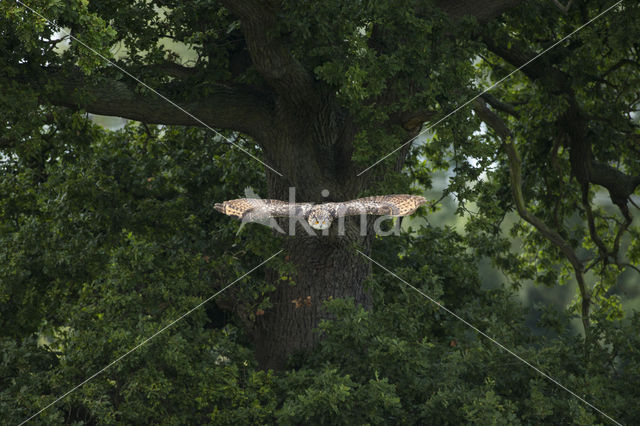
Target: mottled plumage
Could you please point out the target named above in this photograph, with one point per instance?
(320, 216)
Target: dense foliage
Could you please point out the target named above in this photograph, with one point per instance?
(117, 242)
(108, 236)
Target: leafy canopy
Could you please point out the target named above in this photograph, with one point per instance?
(107, 236)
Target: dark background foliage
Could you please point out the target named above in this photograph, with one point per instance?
(107, 236)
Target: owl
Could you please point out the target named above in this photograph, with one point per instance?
(320, 216)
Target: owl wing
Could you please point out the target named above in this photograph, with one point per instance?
(382, 205)
(256, 209)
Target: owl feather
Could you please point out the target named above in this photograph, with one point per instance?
(321, 215)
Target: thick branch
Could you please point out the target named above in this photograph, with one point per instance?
(228, 107)
(584, 167)
(271, 58)
(483, 11)
(413, 121)
(492, 119)
(173, 69)
(619, 184)
(517, 54)
(500, 105)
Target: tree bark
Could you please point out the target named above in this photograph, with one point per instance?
(327, 267)
(230, 107)
(270, 56)
(310, 147)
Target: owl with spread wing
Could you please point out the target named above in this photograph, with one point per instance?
(320, 216)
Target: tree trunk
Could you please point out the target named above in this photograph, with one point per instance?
(327, 267)
(311, 148)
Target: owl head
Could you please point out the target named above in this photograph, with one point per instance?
(320, 219)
